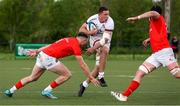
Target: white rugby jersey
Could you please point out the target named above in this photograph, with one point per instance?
(101, 27)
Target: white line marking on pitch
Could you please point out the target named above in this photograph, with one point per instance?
(26, 68)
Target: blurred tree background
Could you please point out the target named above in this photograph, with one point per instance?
(45, 21)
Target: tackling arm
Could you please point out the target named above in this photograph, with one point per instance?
(86, 70)
(84, 66)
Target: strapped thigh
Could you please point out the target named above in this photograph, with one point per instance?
(147, 67)
(144, 69)
(175, 70)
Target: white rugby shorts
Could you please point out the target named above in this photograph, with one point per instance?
(45, 61)
(163, 57)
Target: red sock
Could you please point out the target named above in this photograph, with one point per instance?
(132, 87)
(19, 85)
(54, 84)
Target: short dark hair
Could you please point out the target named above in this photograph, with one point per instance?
(157, 9)
(82, 34)
(102, 8)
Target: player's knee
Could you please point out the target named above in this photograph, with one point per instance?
(68, 75)
(104, 52)
(143, 69)
(175, 72)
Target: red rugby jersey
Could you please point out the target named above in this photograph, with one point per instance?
(63, 47)
(158, 34)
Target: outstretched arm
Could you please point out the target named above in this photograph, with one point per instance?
(33, 53)
(149, 14)
(86, 70)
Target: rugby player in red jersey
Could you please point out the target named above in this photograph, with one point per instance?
(47, 59)
(162, 53)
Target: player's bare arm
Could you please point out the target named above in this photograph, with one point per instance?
(84, 29)
(86, 71)
(33, 53)
(149, 14)
(146, 42)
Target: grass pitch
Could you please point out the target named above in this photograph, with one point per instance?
(158, 88)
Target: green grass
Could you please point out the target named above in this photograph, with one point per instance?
(158, 88)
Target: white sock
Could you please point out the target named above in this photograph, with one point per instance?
(100, 75)
(13, 89)
(49, 88)
(85, 84)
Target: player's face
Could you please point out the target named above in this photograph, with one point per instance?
(103, 16)
(84, 41)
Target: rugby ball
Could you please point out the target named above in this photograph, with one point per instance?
(91, 26)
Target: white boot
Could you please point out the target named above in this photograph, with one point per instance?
(119, 96)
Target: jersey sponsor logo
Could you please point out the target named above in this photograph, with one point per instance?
(101, 29)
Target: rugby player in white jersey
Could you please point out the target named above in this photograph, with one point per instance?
(100, 39)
